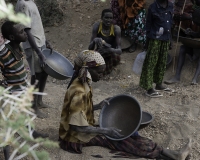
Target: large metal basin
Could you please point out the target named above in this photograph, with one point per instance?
(124, 113)
(57, 66)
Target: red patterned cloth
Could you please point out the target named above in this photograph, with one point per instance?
(132, 146)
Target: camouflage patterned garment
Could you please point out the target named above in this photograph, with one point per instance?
(77, 110)
(154, 65)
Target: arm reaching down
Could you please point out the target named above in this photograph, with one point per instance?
(112, 132)
(35, 47)
(94, 39)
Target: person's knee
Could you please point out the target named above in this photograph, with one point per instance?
(183, 50)
(44, 74)
(33, 79)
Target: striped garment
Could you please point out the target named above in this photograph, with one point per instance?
(12, 67)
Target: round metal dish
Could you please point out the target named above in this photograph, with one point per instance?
(147, 118)
(57, 66)
(124, 113)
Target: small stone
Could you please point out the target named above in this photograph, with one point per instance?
(122, 62)
(81, 45)
(54, 80)
(88, 17)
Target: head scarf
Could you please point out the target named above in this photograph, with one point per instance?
(85, 60)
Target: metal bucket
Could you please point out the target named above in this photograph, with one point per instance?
(124, 113)
(57, 66)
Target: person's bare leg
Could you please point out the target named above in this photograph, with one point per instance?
(194, 80)
(36, 109)
(179, 155)
(181, 60)
(35, 101)
(6, 151)
(42, 77)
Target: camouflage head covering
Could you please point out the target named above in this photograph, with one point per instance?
(87, 59)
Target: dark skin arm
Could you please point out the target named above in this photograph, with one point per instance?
(112, 132)
(95, 40)
(48, 45)
(182, 17)
(189, 32)
(101, 104)
(35, 47)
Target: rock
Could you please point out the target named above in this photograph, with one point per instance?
(54, 80)
(122, 62)
(81, 45)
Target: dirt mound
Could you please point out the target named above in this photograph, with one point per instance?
(51, 12)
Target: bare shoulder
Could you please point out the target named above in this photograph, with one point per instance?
(96, 25)
(117, 29)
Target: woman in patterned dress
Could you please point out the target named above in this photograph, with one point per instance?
(130, 15)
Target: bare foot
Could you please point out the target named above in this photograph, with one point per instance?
(184, 152)
(37, 134)
(194, 82)
(172, 80)
(40, 114)
(42, 105)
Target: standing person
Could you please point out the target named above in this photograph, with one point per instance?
(193, 32)
(77, 118)
(107, 39)
(130, 15)
(33, 46)
(12, 65)
(158, 27)
(186, 17)
(11, 57)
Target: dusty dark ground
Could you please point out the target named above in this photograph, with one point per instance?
(176, 115)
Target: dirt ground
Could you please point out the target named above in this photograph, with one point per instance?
(176, 115)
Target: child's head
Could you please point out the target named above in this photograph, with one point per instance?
(13, 32)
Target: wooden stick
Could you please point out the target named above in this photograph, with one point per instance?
(179, 27)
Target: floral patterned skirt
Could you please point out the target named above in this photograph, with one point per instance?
(135, 29)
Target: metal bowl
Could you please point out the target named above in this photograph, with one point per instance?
(147, 118)
(124, 113)
(190, 42)
(57, 66)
